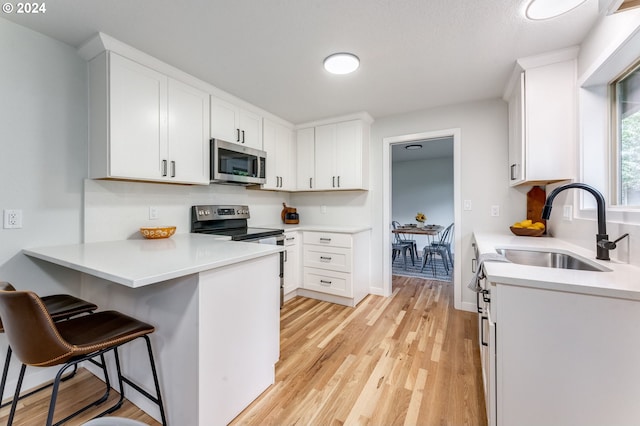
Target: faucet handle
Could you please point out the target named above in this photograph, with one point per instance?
(610, 245)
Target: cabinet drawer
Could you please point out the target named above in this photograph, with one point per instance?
(338, 283)
(290, 238)
(330, 258)
(327, 239)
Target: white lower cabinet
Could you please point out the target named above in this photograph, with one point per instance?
(559, 358)
(329, 269)
(291, 262)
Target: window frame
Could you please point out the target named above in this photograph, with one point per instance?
(615, 126)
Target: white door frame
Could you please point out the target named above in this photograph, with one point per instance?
(386, 204)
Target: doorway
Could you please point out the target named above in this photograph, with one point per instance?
(420, 138)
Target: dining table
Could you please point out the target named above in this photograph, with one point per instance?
(429, 231)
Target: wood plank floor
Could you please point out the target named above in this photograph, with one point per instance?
(410, 359)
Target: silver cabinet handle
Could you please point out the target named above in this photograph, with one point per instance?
(333, 183)
(310, 183)
(338, 181)
(513, 169)
(324, 282)
(164, 167)
(325, 258)
(474, 265)
(173, 169)
(325, 240)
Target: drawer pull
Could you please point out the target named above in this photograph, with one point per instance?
(325, 240)
(323, 282)
(325, 258)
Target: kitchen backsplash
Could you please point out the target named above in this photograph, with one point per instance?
(115, 210)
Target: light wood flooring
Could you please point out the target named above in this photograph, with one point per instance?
(411, 359)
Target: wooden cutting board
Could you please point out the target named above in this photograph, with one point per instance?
(536, 198)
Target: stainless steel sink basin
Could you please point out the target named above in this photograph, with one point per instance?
(550, 259)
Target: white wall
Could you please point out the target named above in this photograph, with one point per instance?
(43, 140)
(423, 186)
(116, 210)
(612, 45)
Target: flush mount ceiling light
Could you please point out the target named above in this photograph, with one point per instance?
(341, 63)
(545, 9)
(412, 147)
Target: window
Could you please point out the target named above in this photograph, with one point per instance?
(626, 120)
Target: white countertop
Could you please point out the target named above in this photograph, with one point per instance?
(621, 282)
(136, 263)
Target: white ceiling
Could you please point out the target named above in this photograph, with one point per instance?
(431, 149)
(415, 54)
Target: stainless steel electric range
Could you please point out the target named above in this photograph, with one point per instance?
(231, 221)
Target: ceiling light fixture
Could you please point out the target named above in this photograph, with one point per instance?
(341, 63)
(412, 147)
(546, 9)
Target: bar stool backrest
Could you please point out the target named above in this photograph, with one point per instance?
(30, 330)
(5, 286)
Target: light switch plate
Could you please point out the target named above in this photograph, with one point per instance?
(153, 213)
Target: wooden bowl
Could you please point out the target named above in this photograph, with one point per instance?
(158, 232)
(525, 232)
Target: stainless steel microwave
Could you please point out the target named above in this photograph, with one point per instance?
(236, 164)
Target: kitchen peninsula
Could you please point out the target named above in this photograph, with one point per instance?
(215, 306)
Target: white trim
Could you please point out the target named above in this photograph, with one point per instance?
(386, 205)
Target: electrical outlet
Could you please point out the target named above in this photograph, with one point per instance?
(466, 205)
(495, 210)
(153, 213)
(567, 212)
(323, 209)
(13, 219)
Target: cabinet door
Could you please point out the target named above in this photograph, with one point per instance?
(250, 125)
(224, 120)
(286, 159)
(270, 145)
(278, 143)
(188, 127)
(305, 159)
(348, 155)
(137, 114)
(325, 154)
(516, 133)
(292, 271)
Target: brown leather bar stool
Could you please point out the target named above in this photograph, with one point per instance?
(60, 307)
(38, 341)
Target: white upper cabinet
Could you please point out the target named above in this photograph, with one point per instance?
(334, 156)
(278, 142)
(188, 129)
(231, 123)
(542, 119)
(305, 159)
(145, 125)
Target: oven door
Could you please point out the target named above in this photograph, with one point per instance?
(233, 163)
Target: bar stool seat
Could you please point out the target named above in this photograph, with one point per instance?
(38, 341)
(60, 307)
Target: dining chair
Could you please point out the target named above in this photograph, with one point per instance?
(60, 307)
(403, 239)
(38, 341)
(444, 242)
